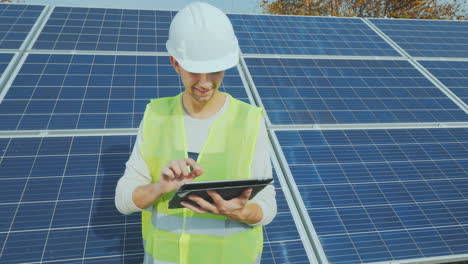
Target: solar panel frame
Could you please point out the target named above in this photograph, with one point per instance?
(6, 69)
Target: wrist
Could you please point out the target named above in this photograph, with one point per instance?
(157, 189)
(250, 214)
(240, 215)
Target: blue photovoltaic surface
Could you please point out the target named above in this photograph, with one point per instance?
(57, 200)
(57, 204)
(453, 74)
(73, 28)
(381, 195)
(427, 38)
(312, 91)
(15, 23)
(5, 59)
(92, 91)
(303, 35)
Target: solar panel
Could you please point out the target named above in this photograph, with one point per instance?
(61, 91)
(382, 195)
(427, 38)
(99, 29)
(301, 35)
(63, 208)
(59, 205)
(325, 91)
(453, 74)
(16, 22)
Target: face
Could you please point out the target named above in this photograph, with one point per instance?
(201, 87)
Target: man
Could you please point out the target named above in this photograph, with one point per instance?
(217, 136)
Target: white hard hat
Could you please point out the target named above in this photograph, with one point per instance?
(202, 40)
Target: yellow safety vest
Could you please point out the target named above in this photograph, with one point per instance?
(181, 235)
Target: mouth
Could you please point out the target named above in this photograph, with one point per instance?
(203, 92)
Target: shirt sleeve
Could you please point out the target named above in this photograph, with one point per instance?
(261, 168)
(136, 174)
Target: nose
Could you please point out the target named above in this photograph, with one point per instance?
(204, 81)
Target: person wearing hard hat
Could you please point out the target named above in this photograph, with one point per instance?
(218, 136)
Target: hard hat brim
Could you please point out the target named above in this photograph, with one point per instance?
(207, 66)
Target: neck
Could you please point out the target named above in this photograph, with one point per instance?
(203, 110)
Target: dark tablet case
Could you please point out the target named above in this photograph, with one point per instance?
(228, 189)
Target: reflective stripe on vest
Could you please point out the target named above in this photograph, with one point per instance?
(197, 226)
(180, 235)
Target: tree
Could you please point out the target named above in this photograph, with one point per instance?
(426, 9)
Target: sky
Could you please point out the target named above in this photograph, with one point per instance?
(228, 6)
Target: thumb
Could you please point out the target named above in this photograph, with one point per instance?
(246, 194)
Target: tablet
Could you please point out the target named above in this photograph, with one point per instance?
(228, 189)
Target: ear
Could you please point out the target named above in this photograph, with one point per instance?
(175, 64)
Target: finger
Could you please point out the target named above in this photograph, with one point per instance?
(183, 168)
(192, 163)
(216, 197)
(193, 174)
(198, 172)
(204, 204)
(174, 166)
(193, 208)
(166, 172)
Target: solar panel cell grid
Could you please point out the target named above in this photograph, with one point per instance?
(16, 22)
(66, 212)
(97, 29)
(53, 91)
(307, 91)
(298, 35)
(427, 38)
(453, 74)
(380, 195)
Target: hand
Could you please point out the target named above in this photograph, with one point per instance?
(175, 173)
(232, 209)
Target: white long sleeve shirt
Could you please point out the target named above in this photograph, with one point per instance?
(196, 131)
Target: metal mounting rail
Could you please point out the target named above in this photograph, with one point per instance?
(69, 133)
